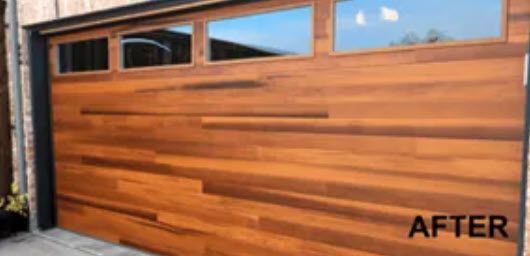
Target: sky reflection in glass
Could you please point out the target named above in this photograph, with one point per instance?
(275, 33)
(363, 24)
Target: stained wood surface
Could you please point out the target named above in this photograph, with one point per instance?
(324, 155)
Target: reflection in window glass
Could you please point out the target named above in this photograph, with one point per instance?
(90, 55)
(363, 24)
(169, 46)
(278, 33)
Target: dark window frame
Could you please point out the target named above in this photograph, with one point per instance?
(503, 38)
(57, 57)
(284, 7)
(120, 54)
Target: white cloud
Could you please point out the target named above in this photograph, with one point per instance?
(360, 19)
(389, 14)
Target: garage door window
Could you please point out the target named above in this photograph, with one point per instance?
(170, 46)
(83, 56)
(368, 24)
(285, 32)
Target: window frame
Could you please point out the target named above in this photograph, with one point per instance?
(56, 56)
(206, 38)
(123, 33)
(503, 38)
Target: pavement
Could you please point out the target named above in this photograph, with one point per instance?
(58, 242)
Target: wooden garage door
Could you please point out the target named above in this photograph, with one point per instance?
(327, 154)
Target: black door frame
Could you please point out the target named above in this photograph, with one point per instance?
(42, 132)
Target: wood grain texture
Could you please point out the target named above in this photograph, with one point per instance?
(327, 155)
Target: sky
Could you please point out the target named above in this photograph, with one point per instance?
(285, 30)
(186, 29)
(375, 23)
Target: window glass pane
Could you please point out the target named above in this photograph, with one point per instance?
(169, 46)
(82, 56)
(363, 24)
(278, 33)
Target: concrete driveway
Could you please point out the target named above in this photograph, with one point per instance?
(57, 242)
